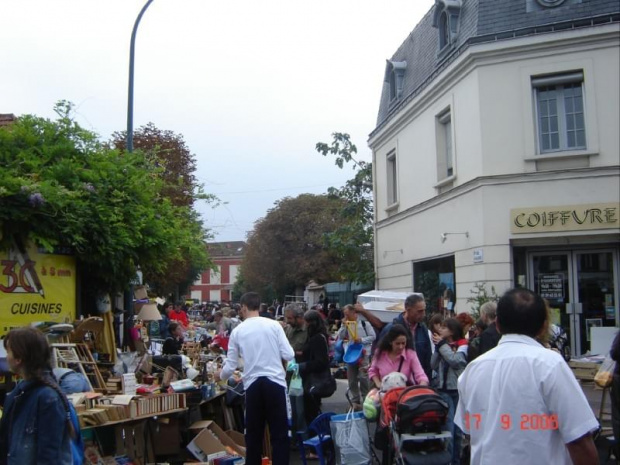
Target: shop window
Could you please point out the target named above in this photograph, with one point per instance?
(436, 279)
(560, 119)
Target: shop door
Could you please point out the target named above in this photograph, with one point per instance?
(596, 292)
(551, 277)
(581, 288)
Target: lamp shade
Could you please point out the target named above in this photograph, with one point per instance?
(149, 312)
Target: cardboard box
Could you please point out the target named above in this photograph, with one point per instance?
(238, 439)
(211, 442)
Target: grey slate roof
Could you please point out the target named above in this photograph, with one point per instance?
(481, 21)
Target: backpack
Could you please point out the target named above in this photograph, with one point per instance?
(420, 409)
(77, 446)
(373, 347)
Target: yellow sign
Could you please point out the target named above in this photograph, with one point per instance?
(565, 218)
(36, 286)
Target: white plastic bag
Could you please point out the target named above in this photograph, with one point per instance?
(351, 440)
(605, 374)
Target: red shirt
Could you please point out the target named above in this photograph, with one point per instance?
(179, 316)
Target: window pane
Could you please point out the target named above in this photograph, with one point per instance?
(553, 124)
(570, 138)
(579, 122)
(581, 138)
(568, 104)
(570, 122)
(553, 110)
(545, 142)
(544, 125)
(542, 108)
(579, 104)
(555, 140)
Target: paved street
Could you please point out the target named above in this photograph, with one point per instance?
(338, 404)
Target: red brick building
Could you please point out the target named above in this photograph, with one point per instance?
(216, 285)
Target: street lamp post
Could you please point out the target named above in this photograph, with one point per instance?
(132, 49)
(128, 297)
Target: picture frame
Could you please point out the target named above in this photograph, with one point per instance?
(591, 323)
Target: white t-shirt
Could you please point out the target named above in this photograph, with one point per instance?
(262, 345)
(521, 404)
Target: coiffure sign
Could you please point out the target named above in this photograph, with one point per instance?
(565, 218)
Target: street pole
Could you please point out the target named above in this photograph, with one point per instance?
(132, 49)
(128, 295)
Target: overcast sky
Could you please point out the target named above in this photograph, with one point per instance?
(251, 85)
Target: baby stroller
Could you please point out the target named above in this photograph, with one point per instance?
(410, 428)
(558, 339)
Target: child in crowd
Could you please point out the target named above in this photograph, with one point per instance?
(449, 360)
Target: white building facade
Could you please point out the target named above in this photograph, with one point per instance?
(496, 157)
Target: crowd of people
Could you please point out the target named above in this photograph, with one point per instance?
(493, 374)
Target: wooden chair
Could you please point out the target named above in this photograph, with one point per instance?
(88, 332)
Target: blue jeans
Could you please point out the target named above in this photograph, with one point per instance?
(454, 444)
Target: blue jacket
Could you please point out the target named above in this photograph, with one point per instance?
(422, 342)
(33, 430)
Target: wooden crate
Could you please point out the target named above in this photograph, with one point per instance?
(132, 441)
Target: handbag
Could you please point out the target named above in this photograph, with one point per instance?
(235, 393)
(321, 384)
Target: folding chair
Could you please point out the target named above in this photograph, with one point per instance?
(322, 443)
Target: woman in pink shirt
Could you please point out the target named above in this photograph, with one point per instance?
(392, 355)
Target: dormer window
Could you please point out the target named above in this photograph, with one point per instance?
(444, 31)
(394, 76)
(446, 19)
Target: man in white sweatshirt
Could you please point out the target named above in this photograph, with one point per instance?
(264, 348)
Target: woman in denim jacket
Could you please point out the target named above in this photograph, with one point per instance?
(35, 427)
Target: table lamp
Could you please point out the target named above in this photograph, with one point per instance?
(149, 312)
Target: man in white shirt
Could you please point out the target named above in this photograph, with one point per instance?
(262, 344)
(520, 402)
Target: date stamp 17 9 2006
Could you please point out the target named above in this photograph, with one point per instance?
(533, 421)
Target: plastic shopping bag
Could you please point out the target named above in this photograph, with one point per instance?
(296, 388)
(296, 395)
(605, 373)
(351, 440)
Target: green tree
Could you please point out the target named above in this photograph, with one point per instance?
(176, 165)
(479, 296)
(287, 248)
(352, 240)
(60, 186)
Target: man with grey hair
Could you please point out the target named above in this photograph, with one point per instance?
(221, 324)
(490, 337)
(418, 338)
(295, 328)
